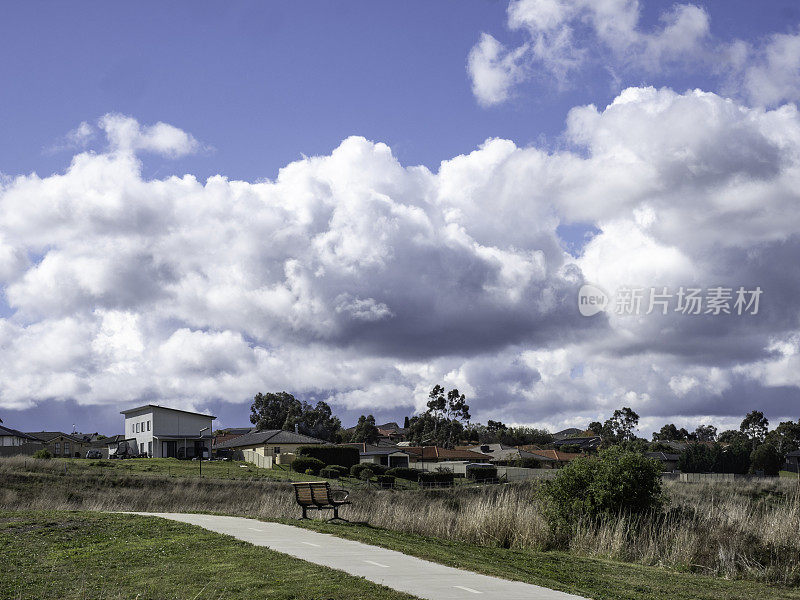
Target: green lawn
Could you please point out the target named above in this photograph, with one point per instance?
(589, 577)
(788, 474)
(79, 555)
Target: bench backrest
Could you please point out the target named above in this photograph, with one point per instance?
(312, 493)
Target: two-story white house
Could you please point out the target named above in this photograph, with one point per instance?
(163, 432)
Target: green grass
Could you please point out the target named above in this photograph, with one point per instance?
(78, 555)
(173, 467)
(788, 474)
(590, 577)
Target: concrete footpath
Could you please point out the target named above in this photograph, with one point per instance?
(399, 571)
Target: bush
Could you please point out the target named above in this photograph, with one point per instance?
(43, 453)
(379, 469)
(404, 473)
(331, 455)
(481, 473)
(438, 478)
(355, 470)
(329, 473)
(617, 482)
(366, 474)
(304, 464)
(342, 471)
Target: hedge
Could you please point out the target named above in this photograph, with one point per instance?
(482, 473)
(331, 455)
(302, 464)
(355, 470)
(404, 473)
(385, 481)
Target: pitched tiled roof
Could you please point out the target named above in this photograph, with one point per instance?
(271, 436)
(46, 436)
(554, 454)
(501, 452)
(7, 431)
(436, 453)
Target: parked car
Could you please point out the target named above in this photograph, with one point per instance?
(94, 454)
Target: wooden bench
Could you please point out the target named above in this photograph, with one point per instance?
(318, 495)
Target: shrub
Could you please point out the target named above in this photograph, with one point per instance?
(329, 473)
(617, 482)
(43, 453)
(355, 470)
(366, 474)
(304, 464)
(404, 473)
(342, 471)
(481, 473)
(379, 469)
(331, 455)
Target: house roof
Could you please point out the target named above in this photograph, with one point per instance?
(663, 456)
(502, 452)
(7, 431)
(794, 453)
(555, 454)
(187, 412)
(271, 436)
(436, 453)
(46, 436)
(363, 446)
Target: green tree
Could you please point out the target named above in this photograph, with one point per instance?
(731, 436)
(785, 437)
(620, 426)
(443, 424)
(766, 458)
(705, 433)
(670, 433)
(283, 411)
(697, 458)
(755, 426)
(365, 430)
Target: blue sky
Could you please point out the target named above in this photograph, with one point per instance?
(254, 86)
(265, 82)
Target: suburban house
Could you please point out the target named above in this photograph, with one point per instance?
(13, 442)
(223, 435)
(388, 456)
(557, 458)
(61, 444)
(270, 442)
(163, 432)
(502, 454)
(669, 461)
(420, 455)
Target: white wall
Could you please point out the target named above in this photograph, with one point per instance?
(164, 423)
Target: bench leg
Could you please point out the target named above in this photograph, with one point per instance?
(305, 516)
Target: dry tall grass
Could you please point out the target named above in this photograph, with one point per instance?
(727, 529)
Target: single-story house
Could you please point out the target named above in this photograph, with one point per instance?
(431, 454)
(61, 444)
(388, 456)
(669, 461)
(223, 435)
(557, 458)
(13, 442)
(391, 432)
(502, 454)
(270, 442)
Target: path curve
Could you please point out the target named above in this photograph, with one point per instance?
(401, 572)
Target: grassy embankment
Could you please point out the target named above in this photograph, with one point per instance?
(717, 540)
(79, 555)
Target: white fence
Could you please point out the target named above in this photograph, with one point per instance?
(259, 460)
(507, 473)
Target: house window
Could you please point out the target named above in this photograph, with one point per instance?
(148, 425)
(137, 428)
(141, 448)
(149, 446)
(57, 448)
(276, 450)
(66, 448)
